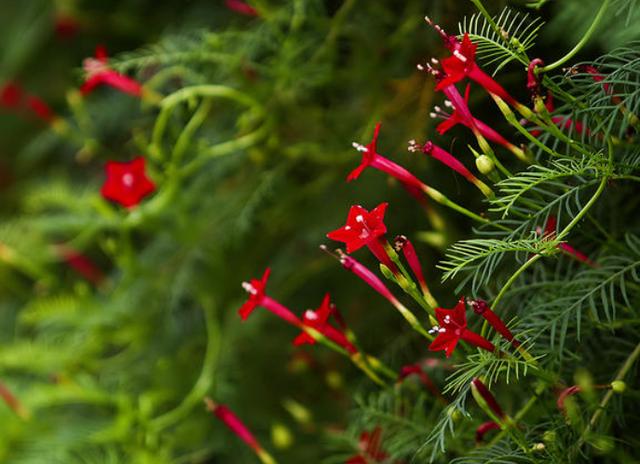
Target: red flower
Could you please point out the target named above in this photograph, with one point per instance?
(462, 64)
(241, 7)
(257, 297)
(483, 428)
(414, 369)
(127, 182)
(365, 228)
(98, 73)
(40, 109)
(66, 26)
(362, 227)
(81, 264)
(370, 157)
(550, 232)
(255, 288)
(481, 308)
(228, 418)
(483, 395)
(370, 445)
(403, 244)
(11, 95)
(453, 328)
(318, 320)
(564, 394)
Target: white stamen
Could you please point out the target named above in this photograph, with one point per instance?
(460, 56)
(359, 147)
(311, 315)
(448, 104)
(434, 329)
(432, 115)
(437, 109)
(359, 218)
(434, 61)
(420, 67)
(249, 288)
(127, 179)
(347, 227)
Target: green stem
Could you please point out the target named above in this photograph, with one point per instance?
(205, 379)
(585, 38)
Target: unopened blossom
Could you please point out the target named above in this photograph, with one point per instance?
(533, 81)
(403, 244)
(241, 7)
(366, 228)
(80, 263)
(564, 394)
(453, 328)
(481, 308)
(446, 158)
(484, 428)
(318, 320)
(414, 369)
(233, 423)
(550, 233)
(485, 399)
(127, 182)
(98, 72)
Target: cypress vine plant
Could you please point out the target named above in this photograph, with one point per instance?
(188, 162)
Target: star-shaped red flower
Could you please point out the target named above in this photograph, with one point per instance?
(362, 227)
(453, 322)
(99, 73)
(453, 328)
(368, 155)
(127, 182)
(316, 319)
(256, 289)
(459, 64)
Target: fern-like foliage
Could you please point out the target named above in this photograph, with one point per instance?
(507, 39)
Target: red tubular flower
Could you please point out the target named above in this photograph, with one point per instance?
(241, 7)
(403, 244)
(81, 264)
(367, 276)
(453, 328)
(257, 297)
(233, 423)
(99, 73)
(318, 320)
(483, 428)
(370, 445)
(364, 228)
(10, 400)
(462, 64)
(370, 157)
(533, 81)
(127, 182)
(550, 232)
(481, 389)
(414, 369)
(39, 108)
(564, 394)
(481, 308)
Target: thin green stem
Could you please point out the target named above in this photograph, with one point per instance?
(581, 43)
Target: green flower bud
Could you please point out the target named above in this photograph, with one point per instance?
(549, 436)
(485, 164)
(618, 386)
(281, 436)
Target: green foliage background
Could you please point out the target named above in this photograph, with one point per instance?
(116, 374)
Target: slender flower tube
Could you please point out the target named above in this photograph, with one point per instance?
(241, 7)
(483, 428)
(10, 400)
(453, 328)
(414, 369)
(564, 394)
(462, 63)
(411, 183)
(318, 320)
(486, 400)
(81, 264)
(463, 116)
(550, 233)
(376, 284)
(481, 308)
(366, 228)
(233, 423)
(402, 243)
(446, 158)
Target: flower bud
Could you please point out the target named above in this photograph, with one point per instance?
(549, 436)
(618, 386)
(281, 436)
(485, 164)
